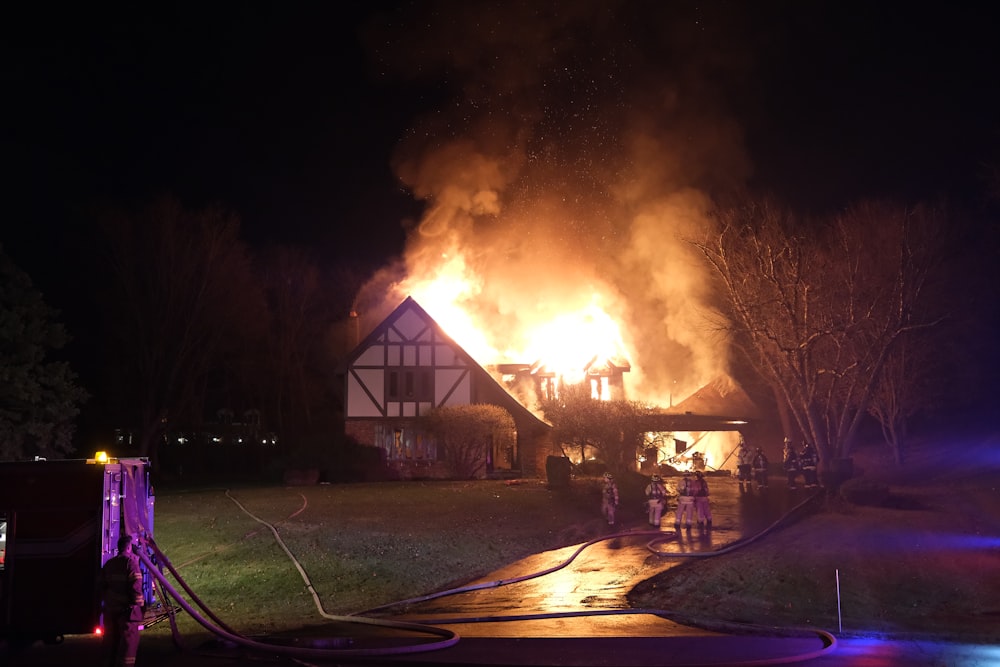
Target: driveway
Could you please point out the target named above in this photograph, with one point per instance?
(582, 590)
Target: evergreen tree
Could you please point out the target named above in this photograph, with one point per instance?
(39, 396)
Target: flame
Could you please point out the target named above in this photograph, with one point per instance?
(443, 294)
(572, 342)
(564, 341)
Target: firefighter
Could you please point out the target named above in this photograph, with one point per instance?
(656, 499)
(809, 460)
(701, 502)
(759, 465)
(121, 593)
(685, 502)
(790, 464)
(609, 502)
(744, 464)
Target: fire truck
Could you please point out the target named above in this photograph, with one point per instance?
(60, 521)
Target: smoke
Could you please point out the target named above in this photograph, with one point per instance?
(572, 150)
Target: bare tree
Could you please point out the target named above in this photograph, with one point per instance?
(904, 388)
(186, 309)
(819, 306)
(298, 321)
(609, 427)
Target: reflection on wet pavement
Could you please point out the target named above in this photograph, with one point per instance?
(600, 575)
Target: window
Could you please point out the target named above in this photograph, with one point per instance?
(405, 443)
(392, 391)
(410, 384)
(398, 450)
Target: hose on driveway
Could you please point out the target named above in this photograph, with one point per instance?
(448, 638)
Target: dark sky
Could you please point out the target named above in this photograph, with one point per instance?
(292, 114)
(266, 110)
(280, 113)
(879, 98)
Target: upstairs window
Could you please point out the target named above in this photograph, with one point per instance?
(410, 384)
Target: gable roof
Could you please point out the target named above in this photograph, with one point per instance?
(488, 389)
(722, 397)
(720, 405)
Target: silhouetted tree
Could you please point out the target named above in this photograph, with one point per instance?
(819, 307)
(39, 397)
(299, 303)
(187, 313)
(904, 388)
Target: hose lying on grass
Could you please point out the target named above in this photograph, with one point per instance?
(219, 629)
(449, 638)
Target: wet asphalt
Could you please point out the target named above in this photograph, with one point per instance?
(597, 576)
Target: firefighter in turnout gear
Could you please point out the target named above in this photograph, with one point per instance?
(790, 464)
(702, 506)
(121, 593)
(609, 501)
(759, 465)
(685, 501)
(656, 499)
(809, 460)
(744, 465)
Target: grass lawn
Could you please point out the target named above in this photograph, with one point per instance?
(922, 564)
(361, 545)
(925, 563)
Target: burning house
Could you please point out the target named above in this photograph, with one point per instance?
(408, 365)
(562, 198)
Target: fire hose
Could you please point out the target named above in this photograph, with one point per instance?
(219, 628)
(449, 638)
(829, 640)
(739, 544)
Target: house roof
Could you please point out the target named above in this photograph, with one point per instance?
(721, 405)
(722, 397)
(489, 389)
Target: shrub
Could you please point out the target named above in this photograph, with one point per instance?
(860, 491)
(354, 462)
(471, 435)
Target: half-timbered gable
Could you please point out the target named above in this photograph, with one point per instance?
(407, 366)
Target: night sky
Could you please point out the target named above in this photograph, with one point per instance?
(297, 115)
(282, 114)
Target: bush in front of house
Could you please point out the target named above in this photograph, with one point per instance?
(861, 491)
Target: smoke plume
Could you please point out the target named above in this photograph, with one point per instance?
(570, 150)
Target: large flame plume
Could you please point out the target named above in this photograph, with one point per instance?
(563, 173)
